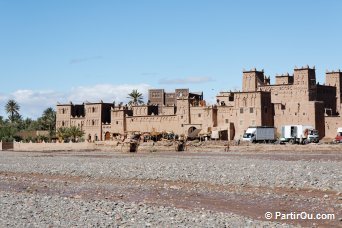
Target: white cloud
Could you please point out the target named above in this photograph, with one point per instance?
(33, 103)
(188, 80)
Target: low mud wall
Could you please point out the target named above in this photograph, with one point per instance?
(19, 146)
(6, 146)
(168, 146)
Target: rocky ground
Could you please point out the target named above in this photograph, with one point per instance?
(169, 189)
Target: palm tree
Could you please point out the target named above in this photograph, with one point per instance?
(75, 132)
(12, 108)
(49, 120)
(62, 133)
(136, 97)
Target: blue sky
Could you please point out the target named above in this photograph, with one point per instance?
(89, 50)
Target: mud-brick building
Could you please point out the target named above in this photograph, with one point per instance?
(236, 111)
(299, 99)
(93, 118)
(185, 114)
(292, 99)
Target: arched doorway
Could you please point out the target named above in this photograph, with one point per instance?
(107, 136)
(191, 129)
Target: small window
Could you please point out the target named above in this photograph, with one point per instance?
(181, 117)
(117, 122)
(241, 122)
(241, 110)
(199, 115)
(93, 122)
(251, 110)
(94, 109)
(227, 121)
(182, 125)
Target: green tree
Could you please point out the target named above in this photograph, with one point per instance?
(48, 121)
(62, 133)
(75, 132)
(2, 121)
(12, 108)
(136, 97)
(29, 125)
(7, 133)
(72, 133)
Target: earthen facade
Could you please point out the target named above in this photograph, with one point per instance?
(293, 99)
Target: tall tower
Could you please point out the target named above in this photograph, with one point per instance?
(118, 120)
(252, 79)
(305, 76)
(183, 110)
(305, 80)
(334, 78)
(63, 115)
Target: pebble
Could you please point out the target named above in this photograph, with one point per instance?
(31, 209)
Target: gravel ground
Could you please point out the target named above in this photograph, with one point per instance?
(324, 175)
(43, 211)
(103, 189)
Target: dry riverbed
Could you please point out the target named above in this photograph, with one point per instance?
(170, 189)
